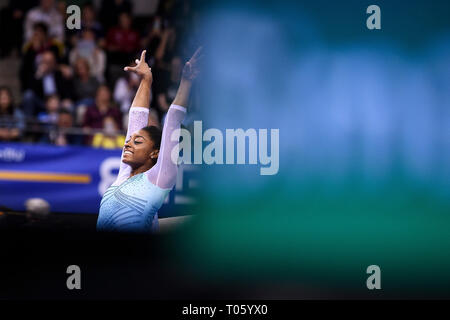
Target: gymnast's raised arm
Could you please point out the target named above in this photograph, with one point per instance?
(163, 174)
(139, 111)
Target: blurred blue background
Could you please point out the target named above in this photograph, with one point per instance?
(364, 120)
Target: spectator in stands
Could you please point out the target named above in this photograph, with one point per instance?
(89, 21)
(166, 48)
(11, 25)
(84, 84)
(125, 90)
(12, 121)
(46, 12)
(39, 43)
(153, 37)
(62, 134)
(85, 88)
(122, 42)
(165, 89)
(48, 79)
(110, 138)
(86, 47)
(52, 107)
(103, 107)
(111, 9)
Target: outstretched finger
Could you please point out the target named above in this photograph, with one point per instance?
(197, 54)
(143, 55)
(129, 68)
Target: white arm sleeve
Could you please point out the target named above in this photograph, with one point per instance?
(137, 119)
(164, 173)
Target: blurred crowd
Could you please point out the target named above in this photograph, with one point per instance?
(73, 87)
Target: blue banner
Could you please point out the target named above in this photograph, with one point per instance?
(73, 178)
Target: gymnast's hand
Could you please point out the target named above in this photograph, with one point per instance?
(191, 68)
(141, 69)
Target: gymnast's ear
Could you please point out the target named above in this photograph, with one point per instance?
(154, 154)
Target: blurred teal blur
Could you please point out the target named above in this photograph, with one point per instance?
(364, 121)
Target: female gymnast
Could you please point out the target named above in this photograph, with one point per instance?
(147, 172)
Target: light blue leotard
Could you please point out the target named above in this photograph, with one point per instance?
(132, 204)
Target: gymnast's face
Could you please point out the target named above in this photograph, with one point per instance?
(139, 150)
